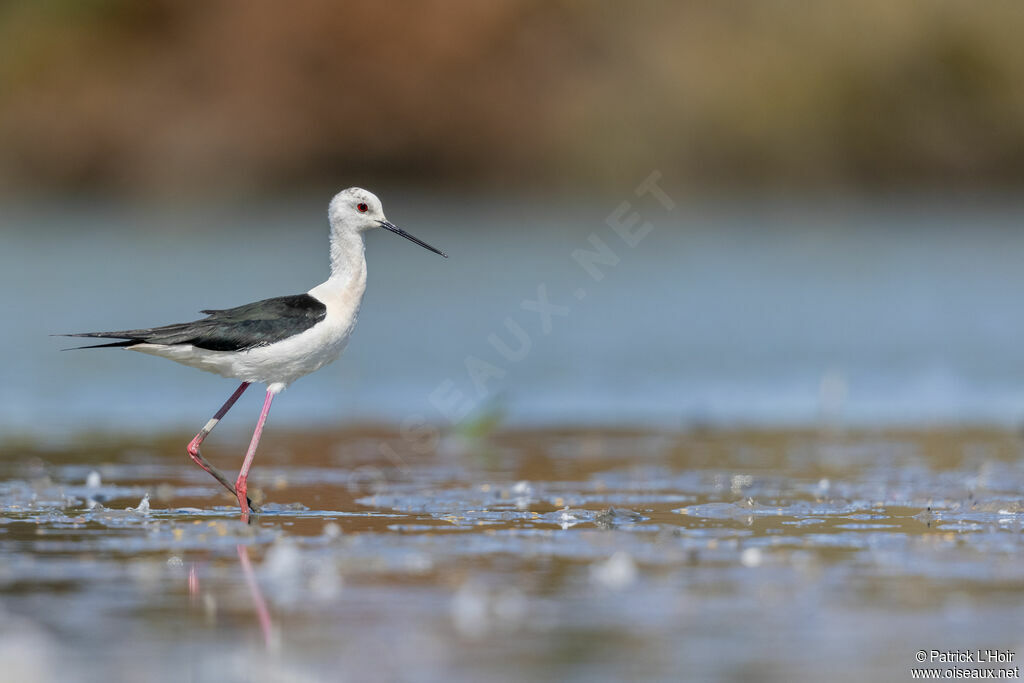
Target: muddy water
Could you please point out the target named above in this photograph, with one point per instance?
(540, 555)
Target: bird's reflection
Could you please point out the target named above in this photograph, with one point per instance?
(255, 593)
(262, 613)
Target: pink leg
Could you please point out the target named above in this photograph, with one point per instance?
(193, 446)
(240, 483)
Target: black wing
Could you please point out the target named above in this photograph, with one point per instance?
(230, 329)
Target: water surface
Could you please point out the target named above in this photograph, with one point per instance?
(536, 554)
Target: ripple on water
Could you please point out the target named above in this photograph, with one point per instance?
(560, 544)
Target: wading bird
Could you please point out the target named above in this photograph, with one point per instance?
(274, 341)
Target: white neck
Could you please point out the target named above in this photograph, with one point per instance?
(345, 287)
(348, 256)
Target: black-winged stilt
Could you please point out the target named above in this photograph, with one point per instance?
(274, 341)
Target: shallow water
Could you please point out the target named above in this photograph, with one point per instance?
(773, 555)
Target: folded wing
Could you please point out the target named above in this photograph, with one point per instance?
(231, 329)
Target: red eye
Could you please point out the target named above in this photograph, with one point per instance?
(363, 208)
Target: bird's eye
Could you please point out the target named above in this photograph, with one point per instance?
(363, 208)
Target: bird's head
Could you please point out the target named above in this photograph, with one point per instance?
(359, 210)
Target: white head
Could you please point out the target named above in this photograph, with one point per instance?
(356, 210)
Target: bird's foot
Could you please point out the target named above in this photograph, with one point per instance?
(244, 502)
(197, 457)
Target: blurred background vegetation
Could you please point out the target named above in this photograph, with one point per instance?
(168, 98)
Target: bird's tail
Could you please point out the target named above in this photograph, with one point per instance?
(102, 346)
(103, 335)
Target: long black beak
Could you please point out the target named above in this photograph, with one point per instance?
(398, 231)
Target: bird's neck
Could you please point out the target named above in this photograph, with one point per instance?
(348, 259)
